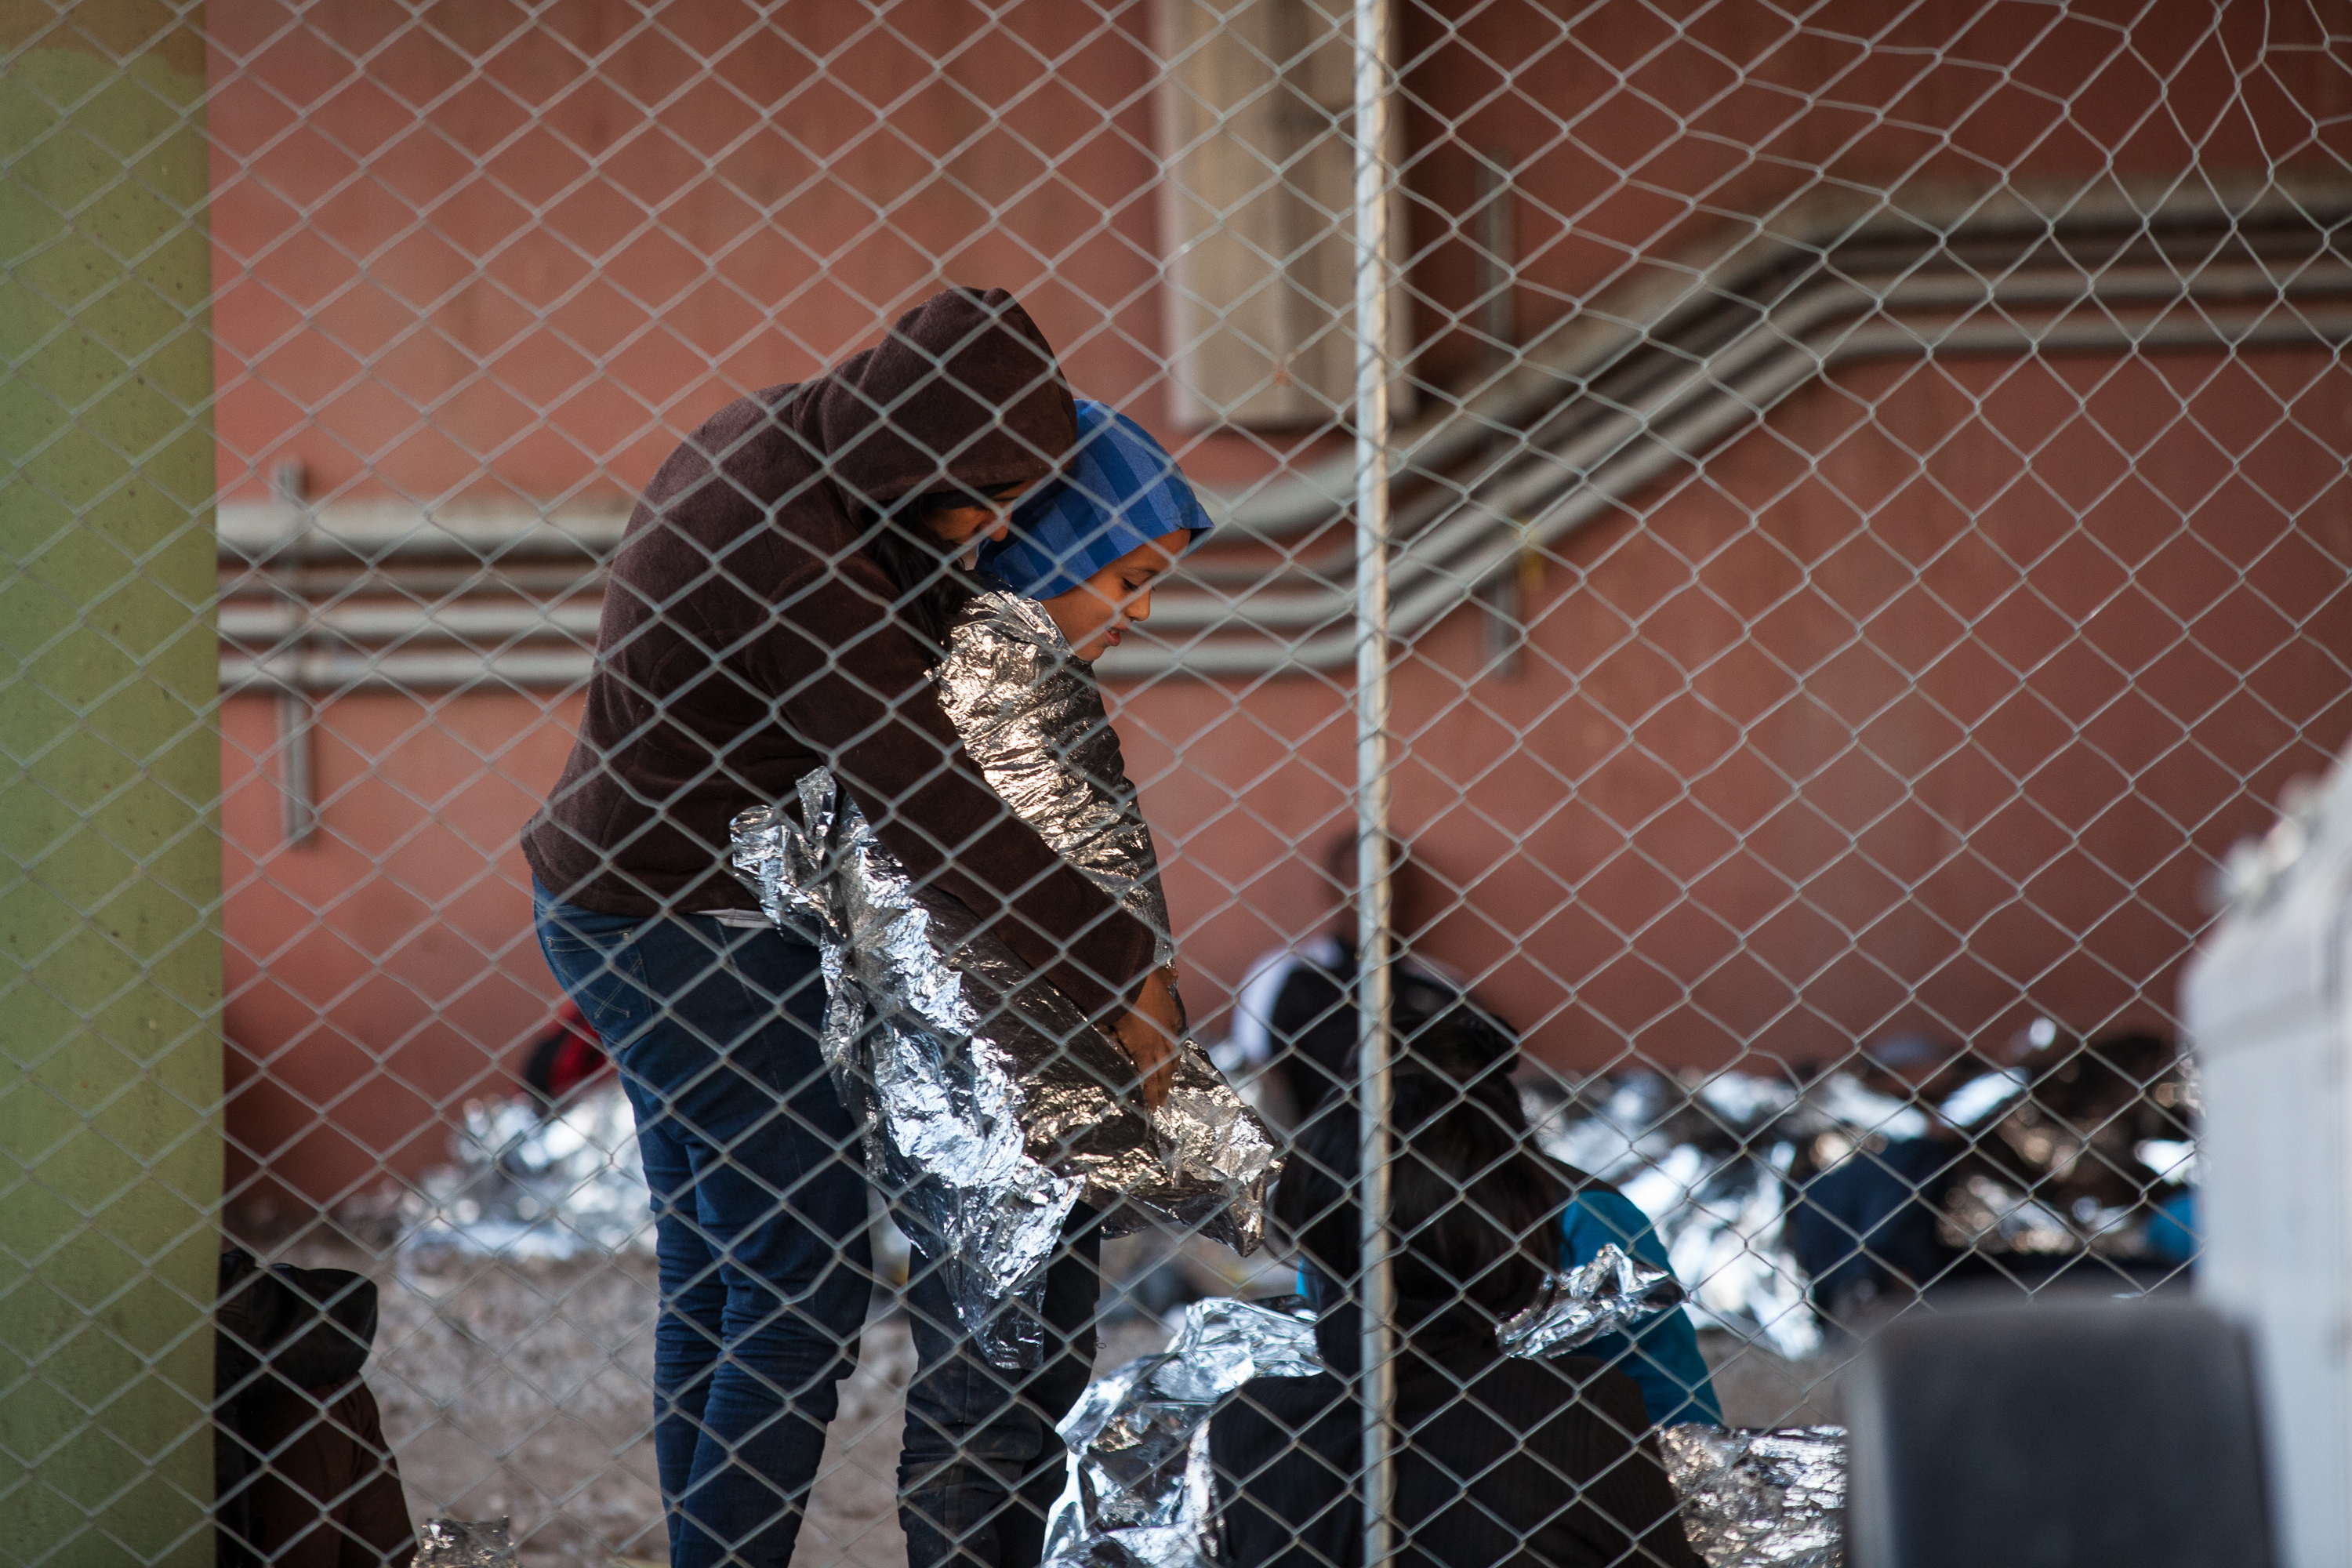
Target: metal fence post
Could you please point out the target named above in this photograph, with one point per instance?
(1376, 1290)
(110, 779)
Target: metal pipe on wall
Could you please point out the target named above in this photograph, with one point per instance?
(1375, 1292)
(378, 624)
(296, 715)
(1545, 498)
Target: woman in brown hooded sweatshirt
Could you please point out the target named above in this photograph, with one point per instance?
(774, 607)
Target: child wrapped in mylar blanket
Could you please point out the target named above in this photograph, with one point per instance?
(991, 1109)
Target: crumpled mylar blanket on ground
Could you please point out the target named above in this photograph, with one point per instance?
(465, 1544)
(529, 1183)
(1760, 1498)
(2063, 1155)
(1140, 1493)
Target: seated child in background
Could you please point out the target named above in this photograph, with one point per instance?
(1504, 1460)
(1662, 1355)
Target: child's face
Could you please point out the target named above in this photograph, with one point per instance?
(1095, 615)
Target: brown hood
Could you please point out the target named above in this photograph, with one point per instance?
(963, 389)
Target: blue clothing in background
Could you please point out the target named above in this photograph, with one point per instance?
(1868, 1224)
(1662, 1356)
(2172, 1229)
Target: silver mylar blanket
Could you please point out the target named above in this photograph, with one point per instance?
(1607, 1294)
(991, 1106)
(465, 1544)
(1140, 1493)
(1760, 1498)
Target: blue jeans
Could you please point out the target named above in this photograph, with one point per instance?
(760, 1208)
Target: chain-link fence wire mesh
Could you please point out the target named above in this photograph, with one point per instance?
(1869, 533)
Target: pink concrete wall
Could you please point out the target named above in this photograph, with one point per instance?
(383, 973)
(473, 253)
(1928, 701)
(1883, 722)
(1635, 128)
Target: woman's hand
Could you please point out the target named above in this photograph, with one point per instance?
(1150, 1034)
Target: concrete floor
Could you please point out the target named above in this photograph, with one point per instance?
(524, 1389)
(1759, 1388)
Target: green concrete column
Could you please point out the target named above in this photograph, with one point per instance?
(109, 778)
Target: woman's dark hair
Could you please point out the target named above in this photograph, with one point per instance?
(932, 588)
(1475, 1210)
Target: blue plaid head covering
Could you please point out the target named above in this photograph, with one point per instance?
(1118, 491)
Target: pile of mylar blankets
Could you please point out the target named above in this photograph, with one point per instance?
(2047, 1161)
(534, 1182)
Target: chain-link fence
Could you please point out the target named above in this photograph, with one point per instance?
(1761, 558)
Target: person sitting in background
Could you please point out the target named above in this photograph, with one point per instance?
(1502, 1461)
(1662, 1356)
(1864, 1230)
(1296, 1014)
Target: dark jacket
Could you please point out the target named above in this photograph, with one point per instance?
(1530, 1463)
(747, 638)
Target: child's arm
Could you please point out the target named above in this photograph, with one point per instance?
(1663, 1355)
(1034, 720)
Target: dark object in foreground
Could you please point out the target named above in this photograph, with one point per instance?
(302, 1474)
(2084, 1433)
